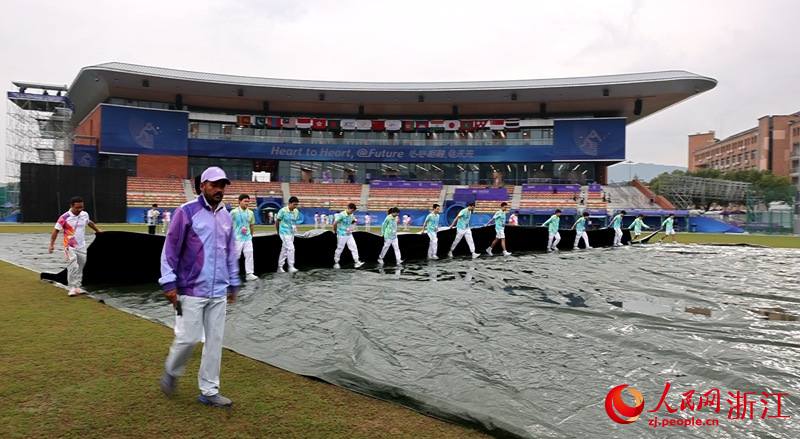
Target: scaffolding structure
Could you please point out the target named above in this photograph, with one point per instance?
(39, 127)
(685, 192)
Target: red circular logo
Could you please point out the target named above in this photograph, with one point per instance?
(615, 404)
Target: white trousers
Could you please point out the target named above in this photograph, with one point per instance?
(617, 236)
(350, 242)
(164, 226)
(245, 247)
(390, 243)
(466, 234)
(287, 250)
(433, 247)
(579, 235)
(201, 316)
(76, 261)
(553, 240)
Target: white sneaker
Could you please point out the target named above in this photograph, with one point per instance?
(399, 261)
(380, 261)
(435, 258)
(252, 276)
(72, 292)
(505, 253)
(476, 255)
(358, 264)
(576, 248)
(549, 249)
(292, 269)
(336, 266)
(587, 248)
(489, 251)
(450, 255)
(281, 270)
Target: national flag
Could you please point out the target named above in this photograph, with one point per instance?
(244, 121)
(409, 126)
(378, 125)
(319, 124)
(303, 122)
(498, 124)
(436, 125)
(334, 125)
(289, 122)
(467, 125)
(481, 125)
(260, 121)
(274, 122)
(422, 125)
(348, 124)
(512, 124)
(363, 124)
(452, 125)
(393, 125)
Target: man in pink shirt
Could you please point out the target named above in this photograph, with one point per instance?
(74, 223)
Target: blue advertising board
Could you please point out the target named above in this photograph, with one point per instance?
(574, 140)
(84, 156)
(370, 153)
(589, 139)
(132, 130)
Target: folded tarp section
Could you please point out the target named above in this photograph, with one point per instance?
(135, 258)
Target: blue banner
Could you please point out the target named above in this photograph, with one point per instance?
(371, 153)
(131, 130)
(84, 156)
(589, 139)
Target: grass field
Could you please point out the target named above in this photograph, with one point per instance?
(73, 367)
(782, 241)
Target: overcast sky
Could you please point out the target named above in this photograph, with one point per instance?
(751, 50)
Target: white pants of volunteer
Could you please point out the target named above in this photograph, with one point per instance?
(201, 317)
(76, 259)
(553, 239)
(246, 247)
(467, 235)
(617, 236)
(390, 243)
(287, 250)
(350, 242)
(433, 247)
(582, 235)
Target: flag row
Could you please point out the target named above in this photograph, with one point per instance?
(378, 125)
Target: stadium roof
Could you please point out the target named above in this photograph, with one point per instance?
(595, 96)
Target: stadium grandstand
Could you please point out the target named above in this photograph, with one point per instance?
(536, 144)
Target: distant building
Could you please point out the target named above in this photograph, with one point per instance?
(773, 144)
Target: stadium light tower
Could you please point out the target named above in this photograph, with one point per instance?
(630, 170)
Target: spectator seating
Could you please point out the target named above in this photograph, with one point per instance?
(381, 199)
(548, 200)
(145, 191)
(595, 200)
(254, 189)
(492, 206)
(335, 196)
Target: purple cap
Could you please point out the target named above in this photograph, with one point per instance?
(214, 174)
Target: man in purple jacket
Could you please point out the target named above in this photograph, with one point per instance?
(200, 275)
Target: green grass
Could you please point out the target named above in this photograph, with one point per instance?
(782, 241)
(73, 367)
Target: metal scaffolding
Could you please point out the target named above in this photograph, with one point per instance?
(39, 126)
(685, 191)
